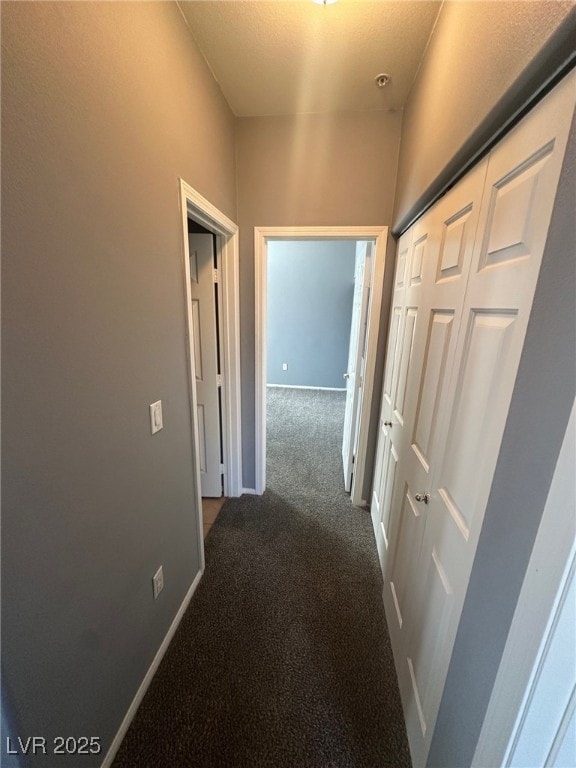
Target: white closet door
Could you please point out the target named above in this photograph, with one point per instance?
(400, 414)
(450, 229)
(386, 451)
(522, 176)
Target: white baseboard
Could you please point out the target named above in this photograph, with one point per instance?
(250, 491)
(137, 700)
(299, 386)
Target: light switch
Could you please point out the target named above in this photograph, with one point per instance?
(284, 366)
(156, 416)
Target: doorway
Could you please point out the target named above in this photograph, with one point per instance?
(378, 237)
(196, 208)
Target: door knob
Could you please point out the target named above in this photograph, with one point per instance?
(346, 375)
(387, 423)
(425, 497)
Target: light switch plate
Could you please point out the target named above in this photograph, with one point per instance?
(158, 582)
(156, 416)
(284, 366)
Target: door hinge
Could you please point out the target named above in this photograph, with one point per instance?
(216, 275)
(222, 469)
(218, 379)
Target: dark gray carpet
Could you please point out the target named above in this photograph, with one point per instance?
(282, 658)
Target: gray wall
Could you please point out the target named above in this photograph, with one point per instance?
(310, 292)
(539, 413)
(104, 106)
(306, 170)
(479, 53)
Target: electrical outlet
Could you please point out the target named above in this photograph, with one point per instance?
(284, 366)
(158, 582)
(156, 417)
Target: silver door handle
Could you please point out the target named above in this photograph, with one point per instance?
(425, 497)
(346, 375)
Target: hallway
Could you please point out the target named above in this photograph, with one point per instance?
(282, 658)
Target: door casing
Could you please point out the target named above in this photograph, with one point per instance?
(262, 235)
(194, 206)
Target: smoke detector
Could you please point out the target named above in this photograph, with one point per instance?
(382, 80)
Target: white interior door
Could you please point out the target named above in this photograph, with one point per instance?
(413, 280)
(356, 351)
(444, 241)
(201, 249)
(517, 202)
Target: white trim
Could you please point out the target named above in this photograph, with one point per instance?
(141, 692)
(302, 386)
(261, 237)
(541, 594)
(373, 327)
(249, 491)
(201, 210)
(539, 672)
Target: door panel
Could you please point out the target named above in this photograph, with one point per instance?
(392, 355)
(433, 373)
(201, 438)
(405, 361)
(378, 480)
(479, 384)
(389, 480)
(422, 660)
(402, 262)
(416, 271)
(196, 331)
(455, 235)
(509, 228)
(406, 552)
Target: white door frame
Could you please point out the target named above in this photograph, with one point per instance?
(202, 211)
(539, 604)
(262, 235)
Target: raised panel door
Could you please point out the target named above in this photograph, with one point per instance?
(517, 201)
(450, 229)
(201, 255)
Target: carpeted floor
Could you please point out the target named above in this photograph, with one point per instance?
(282, 658)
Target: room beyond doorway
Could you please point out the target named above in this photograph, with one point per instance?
(370, 387)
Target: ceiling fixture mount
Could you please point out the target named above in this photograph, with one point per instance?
(382, 80)
(324, 2)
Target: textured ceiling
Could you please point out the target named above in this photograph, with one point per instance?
(278, 57)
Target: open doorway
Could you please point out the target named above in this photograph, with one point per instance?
(199, 217)
(375, 240)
